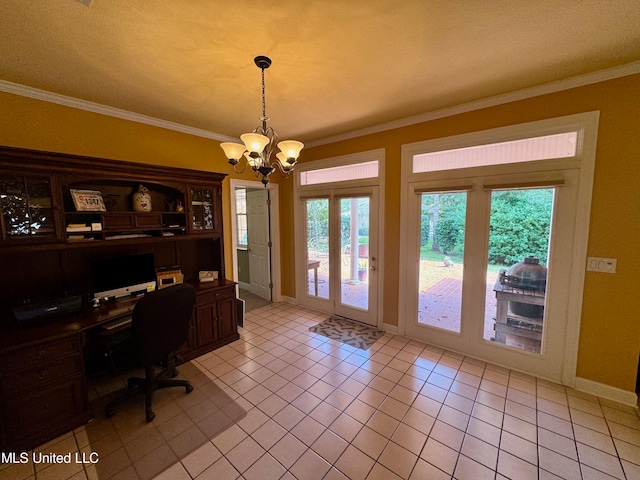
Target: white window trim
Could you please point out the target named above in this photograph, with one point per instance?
(361, 157)
(300, 191)
(586, 124)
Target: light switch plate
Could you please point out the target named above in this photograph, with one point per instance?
(599, 264)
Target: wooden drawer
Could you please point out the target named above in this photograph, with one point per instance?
(41, 414)
(131, 221)
(119, 221)
(42, 375)
(38, 354)
(150, 220)
(214, 295)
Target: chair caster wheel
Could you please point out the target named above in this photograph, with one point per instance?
(150, 416)
(189, 388)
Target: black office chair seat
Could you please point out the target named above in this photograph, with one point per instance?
(160, 326)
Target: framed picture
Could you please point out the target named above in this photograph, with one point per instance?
(208, 275)
(88, 201)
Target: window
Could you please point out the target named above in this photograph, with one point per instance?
(241, 217)
(562, 145)
(340, 174)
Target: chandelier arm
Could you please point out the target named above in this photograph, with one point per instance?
(283, 172)
(235, 169)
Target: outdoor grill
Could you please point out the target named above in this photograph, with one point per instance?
(528, 276)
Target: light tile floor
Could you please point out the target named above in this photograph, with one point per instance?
(319, 409)
(252, 301)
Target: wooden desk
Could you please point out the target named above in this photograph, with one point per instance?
(314, 264)
(43, 388)
(510, 323)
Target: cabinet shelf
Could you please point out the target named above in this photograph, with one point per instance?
(88, 226)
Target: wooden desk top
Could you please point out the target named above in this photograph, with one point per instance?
(89, 318)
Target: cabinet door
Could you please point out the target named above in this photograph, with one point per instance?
(28, 211)
(207, 321)
(203, 209)
(227, 316)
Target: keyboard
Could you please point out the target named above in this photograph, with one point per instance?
(121, 322)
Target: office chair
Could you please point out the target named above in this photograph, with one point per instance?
(160, 325)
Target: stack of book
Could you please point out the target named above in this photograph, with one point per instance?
(78, 229)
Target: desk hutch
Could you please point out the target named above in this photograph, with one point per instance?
(46, 251)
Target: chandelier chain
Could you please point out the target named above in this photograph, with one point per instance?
(264, 104)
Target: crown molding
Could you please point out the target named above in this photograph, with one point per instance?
(544, 89)
(30, 92)
(557, 86)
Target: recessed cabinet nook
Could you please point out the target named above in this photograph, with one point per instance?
(62, 213)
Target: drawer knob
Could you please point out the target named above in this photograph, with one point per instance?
(39, 354)
(42, 375)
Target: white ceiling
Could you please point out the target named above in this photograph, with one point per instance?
(338, 65)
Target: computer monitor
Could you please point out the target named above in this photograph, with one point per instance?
(123, 276)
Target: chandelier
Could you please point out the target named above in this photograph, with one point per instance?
(260, 145)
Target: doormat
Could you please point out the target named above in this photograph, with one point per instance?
(347, 331)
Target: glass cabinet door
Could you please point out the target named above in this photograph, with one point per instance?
(27, 208)
(202, 209)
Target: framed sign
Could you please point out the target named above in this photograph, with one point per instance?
(88, 201)
(166, 278)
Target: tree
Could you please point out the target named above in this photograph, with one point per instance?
(426, 212)
(520, 225)
(451, 222)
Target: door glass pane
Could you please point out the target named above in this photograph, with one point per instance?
(519, 235)
(26, 207)
(354, 245)
(202, 208)
(317, 212)
(442, 229)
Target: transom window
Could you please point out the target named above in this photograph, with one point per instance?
(340, 174)
(562, 145)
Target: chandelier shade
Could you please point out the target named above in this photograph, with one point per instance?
(258, 146)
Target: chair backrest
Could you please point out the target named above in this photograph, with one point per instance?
(160, 322)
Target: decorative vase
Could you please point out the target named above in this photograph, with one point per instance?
(142, 200)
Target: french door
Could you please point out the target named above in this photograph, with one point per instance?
(338, 270)
(499, 202)
(492, 262)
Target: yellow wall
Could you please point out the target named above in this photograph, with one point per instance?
(29, 123)
(610, 330)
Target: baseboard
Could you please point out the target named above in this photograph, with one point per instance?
(290, 300)
(606, 391)
(393, 329)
